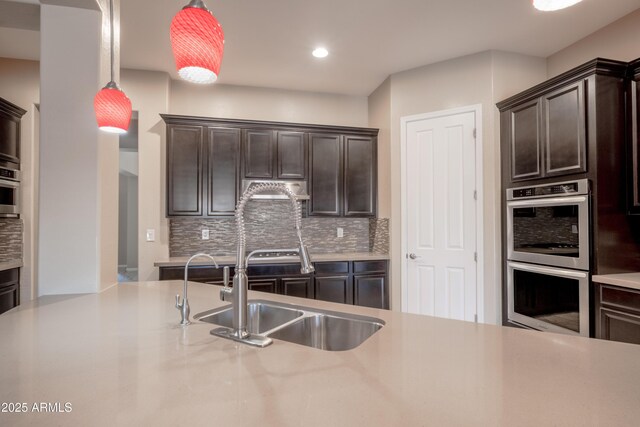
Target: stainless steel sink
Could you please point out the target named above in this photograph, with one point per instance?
(261, 316)
(321, 329)
(327, 332)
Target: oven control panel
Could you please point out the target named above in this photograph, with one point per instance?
(559, 189)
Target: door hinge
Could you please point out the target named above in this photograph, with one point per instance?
(475, 133)
(475, 318)
(475, 194)
(475, 256)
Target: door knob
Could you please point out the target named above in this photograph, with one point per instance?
(413, 256)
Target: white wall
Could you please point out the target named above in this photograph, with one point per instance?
(619, 40)
(244, 102)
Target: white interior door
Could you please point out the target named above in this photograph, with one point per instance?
(441, 216)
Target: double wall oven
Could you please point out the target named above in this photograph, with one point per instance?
(548, 253)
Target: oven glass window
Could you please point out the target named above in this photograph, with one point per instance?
(7, 195)
(551, 299)
(547, 230)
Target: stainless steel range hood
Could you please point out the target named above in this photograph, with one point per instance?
(299, 188)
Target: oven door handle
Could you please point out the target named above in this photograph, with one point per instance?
(547, 270)
(554, 201)
(7, 183)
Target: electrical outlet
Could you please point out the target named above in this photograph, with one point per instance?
(340, 232)
(574, 229)
(205, 234)
(151, 235)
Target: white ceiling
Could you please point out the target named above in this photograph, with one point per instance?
(269, 42)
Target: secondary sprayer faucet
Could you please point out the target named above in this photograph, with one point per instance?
(184, 305)
(238, 295)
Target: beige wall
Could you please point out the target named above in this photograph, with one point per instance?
(244, 102)
(149, 94)
(451, 84)
(380, 117)
(20, 84)
(619, 40)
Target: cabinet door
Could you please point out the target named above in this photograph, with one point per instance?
(564, 127)
(9, 138)
(297, 287)
(264, 285)
(617, 326)
(184, 170)
(292, 155)
(370, 291)
(334, 289)
(223, 155)
(325, 160)
(634, 147)
(360, 180)
(258, 154)
(524, 141)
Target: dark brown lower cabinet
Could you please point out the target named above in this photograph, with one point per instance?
(335, 289)
(297, 287)
(264, 285)
(362, 283)
(9, 289)
(617, 314)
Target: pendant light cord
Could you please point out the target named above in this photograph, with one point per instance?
(112, 38)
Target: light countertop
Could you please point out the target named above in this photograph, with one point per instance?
(626, 280)
(6, 265)
(231, 259)
(119, 358)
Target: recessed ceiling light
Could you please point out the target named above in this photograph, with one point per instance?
(320, 52)
(550, 5)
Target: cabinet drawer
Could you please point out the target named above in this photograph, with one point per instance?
(379, 266)
(619, 297)
(9, 276)
(9, 297)
(329, 268)
(273, 270)
(196, 274)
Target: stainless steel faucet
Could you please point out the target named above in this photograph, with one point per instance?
(238, 295)
(184, 305)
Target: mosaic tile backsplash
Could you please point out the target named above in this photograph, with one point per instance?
(269, 225)
(10, 239)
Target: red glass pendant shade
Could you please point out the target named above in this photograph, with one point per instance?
(197, 41)
(113, 109)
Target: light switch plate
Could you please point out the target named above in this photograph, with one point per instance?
(151, 235)
(340, 232)
(205, 234)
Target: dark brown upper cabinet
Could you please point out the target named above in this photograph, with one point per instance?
(258, 153)
(274, 154)
(360, 177)
(207, 159)
(524, 141)
(291, 155)
(223, 155)
(10, 116)
(184, 170)
(564, 127)
(343, 179)
(633, 147)
(202, 170)
(547, 134)
(325, 186)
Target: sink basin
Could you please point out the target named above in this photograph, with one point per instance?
(261, 316)
(328, 332)
(321, 329)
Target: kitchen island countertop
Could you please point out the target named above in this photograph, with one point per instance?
(120, 358)
(315, 257)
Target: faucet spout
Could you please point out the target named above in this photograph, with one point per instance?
(239, 331)
(183, 305)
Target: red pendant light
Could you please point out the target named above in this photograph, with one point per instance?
(197, 41)
(113, 108)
